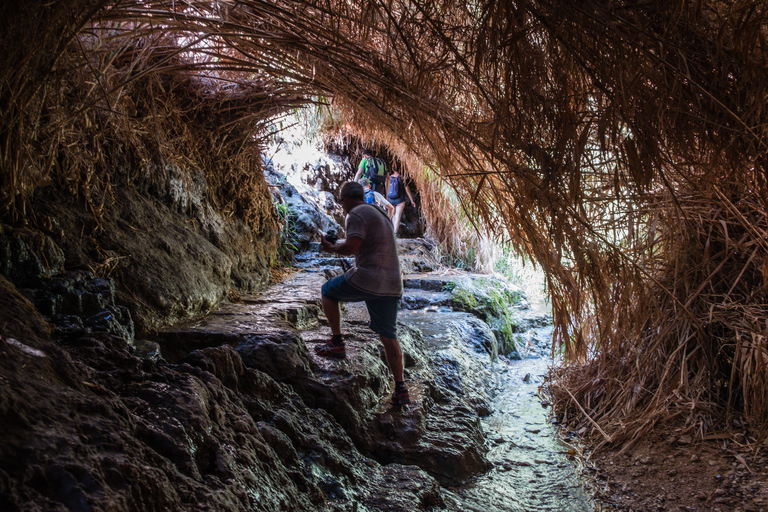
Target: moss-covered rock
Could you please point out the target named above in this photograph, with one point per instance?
(494, 300)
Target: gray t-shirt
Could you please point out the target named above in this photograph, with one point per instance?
(377, 266)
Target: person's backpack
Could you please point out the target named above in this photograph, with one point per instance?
(375, 170)
(369, 197)
(395, 187)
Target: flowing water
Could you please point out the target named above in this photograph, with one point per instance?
(532, 469)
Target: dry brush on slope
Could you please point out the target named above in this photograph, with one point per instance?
(622, 145)
(120, 105)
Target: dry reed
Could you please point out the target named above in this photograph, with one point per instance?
(621, 145)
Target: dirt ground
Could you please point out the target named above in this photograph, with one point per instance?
(668, 470)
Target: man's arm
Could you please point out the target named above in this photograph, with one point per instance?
(360, 169)
(348, 247)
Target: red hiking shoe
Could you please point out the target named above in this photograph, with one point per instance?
(328, 349)
(401, 397)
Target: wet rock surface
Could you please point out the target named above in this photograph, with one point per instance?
(88, 425)
(236, 412)
(27, 256)
(171, 255)
(531, 469)
(274, 333)
(308, 214)
(78, 303)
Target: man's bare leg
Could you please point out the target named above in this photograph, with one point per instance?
(395, 361)
(394, 357)
(335, 346)
(333, 314)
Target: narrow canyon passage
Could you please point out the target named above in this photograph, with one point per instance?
(478, 424)
(168, 167)
(532, 469)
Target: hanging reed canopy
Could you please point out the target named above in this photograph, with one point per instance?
(621, 145)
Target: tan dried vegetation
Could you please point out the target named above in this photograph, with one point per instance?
(621, 145)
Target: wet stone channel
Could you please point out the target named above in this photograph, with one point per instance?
(532, 470)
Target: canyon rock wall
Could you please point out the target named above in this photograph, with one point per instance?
(164, 249)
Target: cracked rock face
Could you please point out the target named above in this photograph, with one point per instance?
(89, 426)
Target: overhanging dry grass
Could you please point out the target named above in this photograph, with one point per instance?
(120, 104)
(622, 146)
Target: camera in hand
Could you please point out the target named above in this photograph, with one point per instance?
(332, 236)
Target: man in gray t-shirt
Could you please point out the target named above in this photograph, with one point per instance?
(375, 279)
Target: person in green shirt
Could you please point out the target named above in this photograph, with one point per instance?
(374, 169)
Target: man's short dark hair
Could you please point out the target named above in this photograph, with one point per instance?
(367, 152)
(353, 190)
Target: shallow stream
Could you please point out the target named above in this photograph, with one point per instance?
(532, 469)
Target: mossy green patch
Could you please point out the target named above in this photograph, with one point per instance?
(494, 301)
(465, 299)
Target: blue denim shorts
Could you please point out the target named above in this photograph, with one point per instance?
(381, 309)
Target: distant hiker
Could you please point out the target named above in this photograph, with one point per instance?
(373, 197)
(374, 169)
(397, 189)
(375, 279)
